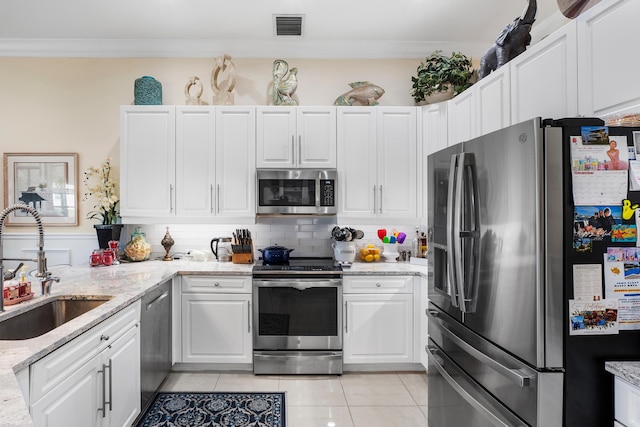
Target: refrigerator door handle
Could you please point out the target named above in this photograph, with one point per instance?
(473, 394)
(514, 375)
(469, 197)
(452, 219)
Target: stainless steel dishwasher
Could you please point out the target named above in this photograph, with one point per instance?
(155, 341)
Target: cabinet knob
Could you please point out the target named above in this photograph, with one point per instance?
(216, 284)
(378, 285)
(104, 337)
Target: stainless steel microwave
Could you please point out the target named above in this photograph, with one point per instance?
(296, 192)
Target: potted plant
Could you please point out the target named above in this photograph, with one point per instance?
(441, 77)
(100, 183)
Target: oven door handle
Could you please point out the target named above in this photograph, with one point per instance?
(298, 283)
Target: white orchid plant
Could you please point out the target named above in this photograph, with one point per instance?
(100, 183)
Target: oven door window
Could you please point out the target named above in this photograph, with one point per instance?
(285, 311)
(287, 192)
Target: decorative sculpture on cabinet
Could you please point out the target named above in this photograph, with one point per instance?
(364, 93)
(284, 87)
(193, 91)
(222, 94)
(512, 41)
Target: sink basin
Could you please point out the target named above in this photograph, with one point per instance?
(44, 318)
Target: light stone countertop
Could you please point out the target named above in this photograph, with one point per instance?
(127, 283)
(628, 371)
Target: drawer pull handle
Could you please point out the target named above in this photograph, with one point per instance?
(104, 337)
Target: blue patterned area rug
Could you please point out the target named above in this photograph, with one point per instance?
(216, 410)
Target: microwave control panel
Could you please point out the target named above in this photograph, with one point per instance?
(327, 188)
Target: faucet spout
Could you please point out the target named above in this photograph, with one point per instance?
(45, 285)
(42, 260)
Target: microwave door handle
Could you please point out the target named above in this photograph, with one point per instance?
(451, 244)
(469, 238)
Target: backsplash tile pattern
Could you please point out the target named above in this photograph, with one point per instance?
(309, 237)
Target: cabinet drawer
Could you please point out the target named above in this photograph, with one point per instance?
(627, 403)
(378, 284)
(49, 371)
(216, 284)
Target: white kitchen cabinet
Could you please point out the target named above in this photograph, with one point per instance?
(461, 114)
(210, 168)
(235, 162)
(543, 78)
(296, 137)
(378, 320)
(147, 161)
(73, 385)
(493, 101)
(626, 403)
(377, 163)
(216, 320)
(608, 66)
(434, 127)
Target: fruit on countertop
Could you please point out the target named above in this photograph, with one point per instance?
(370, 253)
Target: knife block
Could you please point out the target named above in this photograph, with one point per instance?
(243, 257)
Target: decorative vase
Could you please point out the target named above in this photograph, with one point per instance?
(147, 91)
(436, 97)
(107, 232)
(344, 251)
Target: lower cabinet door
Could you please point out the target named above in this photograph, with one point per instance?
(122, 389)
(216, 328)
(378, 328)
(73, 403)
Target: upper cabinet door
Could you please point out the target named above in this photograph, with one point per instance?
(357, 166)
(296, 137)
(543, 79)
(147, 156)
(195, 160)
(434, 127)
(397, 162)
(235, 161)
(276, 137)
(608, 40)
(493, 101)
(316, 137)
(462, 125)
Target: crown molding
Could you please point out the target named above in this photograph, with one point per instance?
(201, 48)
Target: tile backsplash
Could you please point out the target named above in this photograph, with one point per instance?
(309, 237)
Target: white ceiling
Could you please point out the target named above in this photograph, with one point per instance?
(338, 28)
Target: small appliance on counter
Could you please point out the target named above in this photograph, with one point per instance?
(222, 249)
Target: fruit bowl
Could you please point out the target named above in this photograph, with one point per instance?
(370, 253)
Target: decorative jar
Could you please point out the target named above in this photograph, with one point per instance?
(138, 249)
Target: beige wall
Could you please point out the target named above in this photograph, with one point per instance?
(72, 104)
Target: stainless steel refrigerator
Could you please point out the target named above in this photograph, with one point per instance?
(500, 217)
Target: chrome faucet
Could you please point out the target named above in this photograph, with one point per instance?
(43, 274)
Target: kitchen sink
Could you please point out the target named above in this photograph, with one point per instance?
(46, 317)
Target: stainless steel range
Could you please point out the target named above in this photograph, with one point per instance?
(297, 317)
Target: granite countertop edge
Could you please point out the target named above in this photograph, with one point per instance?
(626, 370)
(126, 283)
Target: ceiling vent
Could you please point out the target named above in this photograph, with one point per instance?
(288, 25)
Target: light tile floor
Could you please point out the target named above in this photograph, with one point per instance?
(396, 399)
